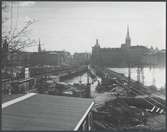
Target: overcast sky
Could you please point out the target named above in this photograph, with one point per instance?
(74, 26)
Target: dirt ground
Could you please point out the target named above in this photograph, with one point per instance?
(157, 122)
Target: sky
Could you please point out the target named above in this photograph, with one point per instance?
(75, 26)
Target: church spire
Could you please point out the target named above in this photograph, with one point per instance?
(128, 36)
(39, 46)
(128, 39)
(97, 43)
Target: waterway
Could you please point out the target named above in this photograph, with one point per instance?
(99, 98)
(83, 78)
(152, 76)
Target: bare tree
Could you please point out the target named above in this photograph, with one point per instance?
(17, 39)
(14, 38)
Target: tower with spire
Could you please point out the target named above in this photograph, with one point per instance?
(128, 39)
(127, 43)
(97, 43)
(96, 52)
(39, 46)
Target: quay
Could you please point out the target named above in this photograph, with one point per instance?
(129, 85)
(24, 85)
(126, 96)
(109, 113)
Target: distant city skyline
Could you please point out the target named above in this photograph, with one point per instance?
(75, 26)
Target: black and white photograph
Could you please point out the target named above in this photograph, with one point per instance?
(83, 65)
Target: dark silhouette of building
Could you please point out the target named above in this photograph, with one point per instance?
(96, 53)
(118, 57)
(49, 57)
(19, 58)
(81, 58)
(155, 58)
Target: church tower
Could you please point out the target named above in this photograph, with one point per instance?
(97, 44)
(128, 39)
(39, 46)
(96, 53)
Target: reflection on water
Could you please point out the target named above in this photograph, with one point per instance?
(82, 78)
(99, 97)
(152, 76)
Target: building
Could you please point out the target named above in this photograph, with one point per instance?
(155, 58)
(118, 57)
(19, 58)
(64, 57)
(50, 57)
(15, 63)
(47, 112)
(96, 53)
(81, 58)
(14, 58)
(44, 58)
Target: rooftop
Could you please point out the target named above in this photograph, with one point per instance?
(45, 112)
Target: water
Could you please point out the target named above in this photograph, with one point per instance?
(83, 79)
(152, 76)
(99, 98)
(77, 79)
